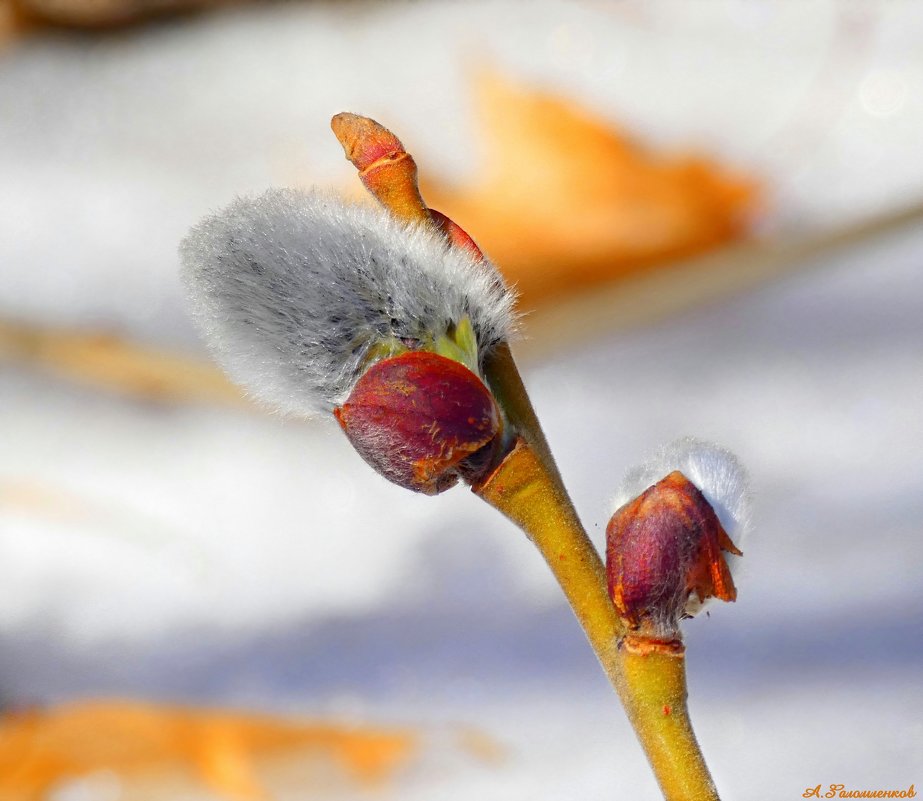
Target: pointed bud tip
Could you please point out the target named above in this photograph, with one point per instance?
(364, 141)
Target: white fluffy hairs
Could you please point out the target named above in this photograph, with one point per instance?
(716, 472)
(293, 288)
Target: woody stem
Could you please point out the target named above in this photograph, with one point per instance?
(653, 690)
(527, 488)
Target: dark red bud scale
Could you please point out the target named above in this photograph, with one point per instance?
(661, 548)
(458, 237)
(416, 418)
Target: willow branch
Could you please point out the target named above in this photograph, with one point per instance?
(527, 488)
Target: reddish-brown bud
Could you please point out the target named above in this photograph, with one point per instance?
(458, 237)
(419, 418)
(663, 547)
(385, 168)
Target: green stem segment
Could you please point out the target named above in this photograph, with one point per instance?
(651, 682)
(652, 686)
(524, 491)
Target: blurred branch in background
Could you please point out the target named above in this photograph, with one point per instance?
(11, 24)
(109, 363)
(638, 300)
(633, 299)
(93, 14)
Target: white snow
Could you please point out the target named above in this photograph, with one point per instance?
(206, 555)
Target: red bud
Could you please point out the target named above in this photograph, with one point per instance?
(458, 237)
(661, 548)
(385, 168)
(416, 418)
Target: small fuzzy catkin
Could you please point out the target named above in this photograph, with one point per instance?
(717, 473)
(673, 539)
(293, 290)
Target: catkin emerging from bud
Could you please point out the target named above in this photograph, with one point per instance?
(298, 291)
(717, 473)
(667, 547)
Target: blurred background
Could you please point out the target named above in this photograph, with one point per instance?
(714, 214)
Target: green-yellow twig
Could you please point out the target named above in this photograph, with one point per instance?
(527, 488)
(652, 685)
(650, 681)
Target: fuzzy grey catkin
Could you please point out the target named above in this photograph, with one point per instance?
(294, 288)
(717, 473)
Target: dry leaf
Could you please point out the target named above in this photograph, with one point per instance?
(148, 749)
(565, 199)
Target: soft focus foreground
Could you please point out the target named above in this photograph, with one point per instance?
(132, 750)
(164, 541)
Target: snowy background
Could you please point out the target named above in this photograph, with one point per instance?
(184, 552)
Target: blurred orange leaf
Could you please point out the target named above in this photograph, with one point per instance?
(228, 753)
(565, 199)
